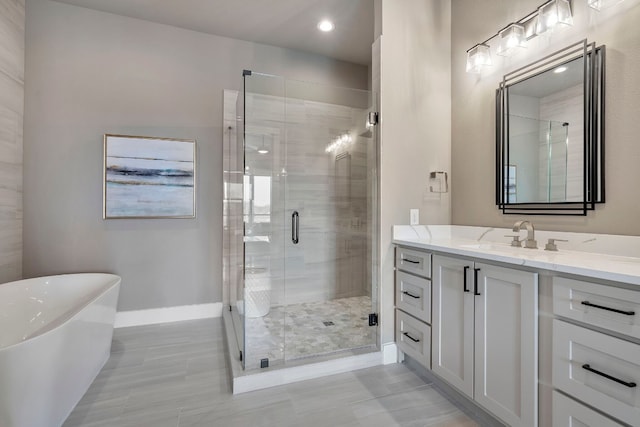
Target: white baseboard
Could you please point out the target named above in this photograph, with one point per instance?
(167, 314)
(389, 353)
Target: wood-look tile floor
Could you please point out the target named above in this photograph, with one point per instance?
(177, 375)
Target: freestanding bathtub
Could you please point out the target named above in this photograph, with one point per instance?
(55, 336)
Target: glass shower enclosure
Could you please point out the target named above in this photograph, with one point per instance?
(300, 220)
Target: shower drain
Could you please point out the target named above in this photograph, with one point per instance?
(328, 323)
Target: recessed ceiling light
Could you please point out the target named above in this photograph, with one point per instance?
(326, 25)
(263, 149)
(561, 69)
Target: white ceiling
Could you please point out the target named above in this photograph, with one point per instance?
(285, 23)
(546, 83)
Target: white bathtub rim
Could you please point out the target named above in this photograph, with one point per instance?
(46, 330)
(64, 360)
(87, 273)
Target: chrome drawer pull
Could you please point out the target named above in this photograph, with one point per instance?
(406, 334)
(411, 295)
(609, 377)
(411, 261)
(615, 310)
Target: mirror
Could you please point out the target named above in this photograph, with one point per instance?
(549, 134)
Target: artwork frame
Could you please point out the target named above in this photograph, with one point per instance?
(148, 177)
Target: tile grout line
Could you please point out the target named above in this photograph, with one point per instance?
(416, 388)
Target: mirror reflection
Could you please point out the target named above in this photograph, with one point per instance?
(549, 135)
(546, 134)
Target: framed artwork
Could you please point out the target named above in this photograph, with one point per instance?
(146, 177)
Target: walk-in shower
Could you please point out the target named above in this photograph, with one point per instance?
(300, 220)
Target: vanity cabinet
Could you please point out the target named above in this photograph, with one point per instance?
(594, 304)
(596, 359)
(568, 412)
(484, 335)
(534, 338)
(413, 261)
(413, 304)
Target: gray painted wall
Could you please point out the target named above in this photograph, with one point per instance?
(90, 73)
(11, 115)
(473, 111)
(415, 132)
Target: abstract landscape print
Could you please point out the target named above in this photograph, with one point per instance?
(147, 177)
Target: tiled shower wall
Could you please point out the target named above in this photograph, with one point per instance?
(12, 19)
(330, 191)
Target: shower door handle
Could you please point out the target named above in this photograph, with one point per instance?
(295, 227)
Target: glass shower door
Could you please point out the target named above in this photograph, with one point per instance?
(310, 211)
(329, 199)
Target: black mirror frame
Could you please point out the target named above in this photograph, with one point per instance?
(594, 88)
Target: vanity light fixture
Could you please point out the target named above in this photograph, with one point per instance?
(478, 57)
(552, 14)
(602, 4)
(325, 26)
(512, 39)
(515, 36)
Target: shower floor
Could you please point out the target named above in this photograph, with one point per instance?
(309, 329)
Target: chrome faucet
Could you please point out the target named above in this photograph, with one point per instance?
(530, 243)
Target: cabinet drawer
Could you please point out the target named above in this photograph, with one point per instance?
(567, 413)
(416, 262)
(413, 295)
(598, 369)
(413, 337)
(600, 305)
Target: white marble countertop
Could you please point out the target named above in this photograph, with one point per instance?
(600, 256)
